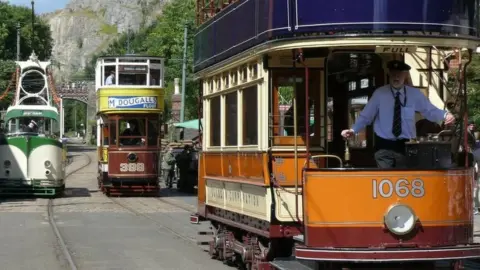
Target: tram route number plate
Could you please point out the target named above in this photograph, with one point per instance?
(386, 188)
(132, 167)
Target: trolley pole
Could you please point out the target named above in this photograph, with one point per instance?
(61, 117)
(184, 71)
(18, 41)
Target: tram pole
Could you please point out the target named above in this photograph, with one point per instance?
(18, 41)
(184, 71)
(61, 117)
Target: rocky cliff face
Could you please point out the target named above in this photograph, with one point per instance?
(85, 27)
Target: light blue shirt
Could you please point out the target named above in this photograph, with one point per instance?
(379, 110)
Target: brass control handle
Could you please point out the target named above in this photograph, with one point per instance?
(347, 151)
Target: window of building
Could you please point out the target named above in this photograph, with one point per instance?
(250, 116)
(231, 119)
(215, 121)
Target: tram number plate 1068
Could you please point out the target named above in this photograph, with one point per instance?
(132, 167)
(403, 188)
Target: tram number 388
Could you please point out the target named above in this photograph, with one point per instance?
(132, 167)
(403, 188)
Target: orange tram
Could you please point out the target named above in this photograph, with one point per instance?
(280, 186)
(130, 103)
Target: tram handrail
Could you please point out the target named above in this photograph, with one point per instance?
(327, 156)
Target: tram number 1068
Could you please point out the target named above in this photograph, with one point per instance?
(401, 188)
(132, 167)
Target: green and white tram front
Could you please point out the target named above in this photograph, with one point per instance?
(32, 154)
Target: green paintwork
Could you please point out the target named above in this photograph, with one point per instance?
(28, 143)
(19, 113)
(35, 189)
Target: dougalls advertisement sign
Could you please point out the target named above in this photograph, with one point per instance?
(132, 102)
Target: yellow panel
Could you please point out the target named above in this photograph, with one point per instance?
(130, 99)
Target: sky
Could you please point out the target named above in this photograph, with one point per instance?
(41, 6)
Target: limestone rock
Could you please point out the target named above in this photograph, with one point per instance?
(85, 27)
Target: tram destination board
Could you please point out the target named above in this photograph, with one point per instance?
(428, 155)
(132, 102)
(264, 21)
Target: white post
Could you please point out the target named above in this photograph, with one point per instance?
(61, 118)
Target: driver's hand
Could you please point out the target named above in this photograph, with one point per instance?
(347, 133)
(449, 119)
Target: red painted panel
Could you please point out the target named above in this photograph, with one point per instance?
(146, 164)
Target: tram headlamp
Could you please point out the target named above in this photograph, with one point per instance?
(47, 163)
(7, 163)
(400, 219)
(132, 157)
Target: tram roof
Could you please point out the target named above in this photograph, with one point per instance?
(130, 56)
(25, 111)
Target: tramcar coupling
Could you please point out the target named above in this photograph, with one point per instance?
(280, 186)
(130, 102)
(32, 157)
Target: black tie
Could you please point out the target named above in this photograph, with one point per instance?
(397, 117)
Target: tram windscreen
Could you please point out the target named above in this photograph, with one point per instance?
(38, 125)
(131, 132)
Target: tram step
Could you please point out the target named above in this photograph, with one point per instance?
(289, 264)
(299, 238)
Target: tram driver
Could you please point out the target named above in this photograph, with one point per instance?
(132, 130)
(31, 127)
(392, 109)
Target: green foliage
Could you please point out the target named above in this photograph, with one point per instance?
(6, 70)
(108, 29)
(42, 42)
(164, 39)
(473, 88)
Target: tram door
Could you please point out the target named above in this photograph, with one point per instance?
(352, 79)
(283, 87)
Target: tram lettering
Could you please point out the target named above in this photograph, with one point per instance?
(251, 199)
(396, 49)
(401, 188)
(132, 167)
(233, 196)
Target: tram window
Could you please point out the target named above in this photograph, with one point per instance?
(154, 76)
(105, 134)
(109, 75)
(215, 121)
(250, 116)
(113, 132)
(231, 115)
(132, 75)
(355, 106)
(152, 132)
(131, 132)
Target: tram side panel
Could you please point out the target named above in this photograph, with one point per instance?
(241, 183)
(374, 210)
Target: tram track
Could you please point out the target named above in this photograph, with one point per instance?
(159, 225)
(53, 224)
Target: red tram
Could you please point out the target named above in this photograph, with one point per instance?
(129, 112)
